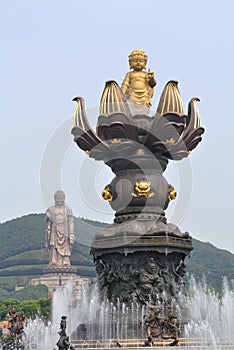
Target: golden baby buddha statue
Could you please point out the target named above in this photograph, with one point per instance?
(138, 85)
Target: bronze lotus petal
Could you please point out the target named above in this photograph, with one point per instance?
(116, 126)
(191, 135)
(165, 131)
(170, 100)
(113, 100)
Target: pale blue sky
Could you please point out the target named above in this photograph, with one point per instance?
(53, 50)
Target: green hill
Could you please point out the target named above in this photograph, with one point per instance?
(210, 262)
(23, 257)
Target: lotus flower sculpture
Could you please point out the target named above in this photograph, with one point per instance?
(169, 134)
(125, 141)
(138, 147)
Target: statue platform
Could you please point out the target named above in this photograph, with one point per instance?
(51, 269)
(58, 279)
(130, 243)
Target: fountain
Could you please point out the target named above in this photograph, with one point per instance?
(211, 316)
(140, 257)
(139, 298)
(208, 325)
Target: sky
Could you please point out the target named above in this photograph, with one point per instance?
(52, 51)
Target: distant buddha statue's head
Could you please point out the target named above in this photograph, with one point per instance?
(59, 198)
(137, 60)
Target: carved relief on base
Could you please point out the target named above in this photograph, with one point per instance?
(146, 277)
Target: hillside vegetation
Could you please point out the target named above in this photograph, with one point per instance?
(23, 257)
(213, 264)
